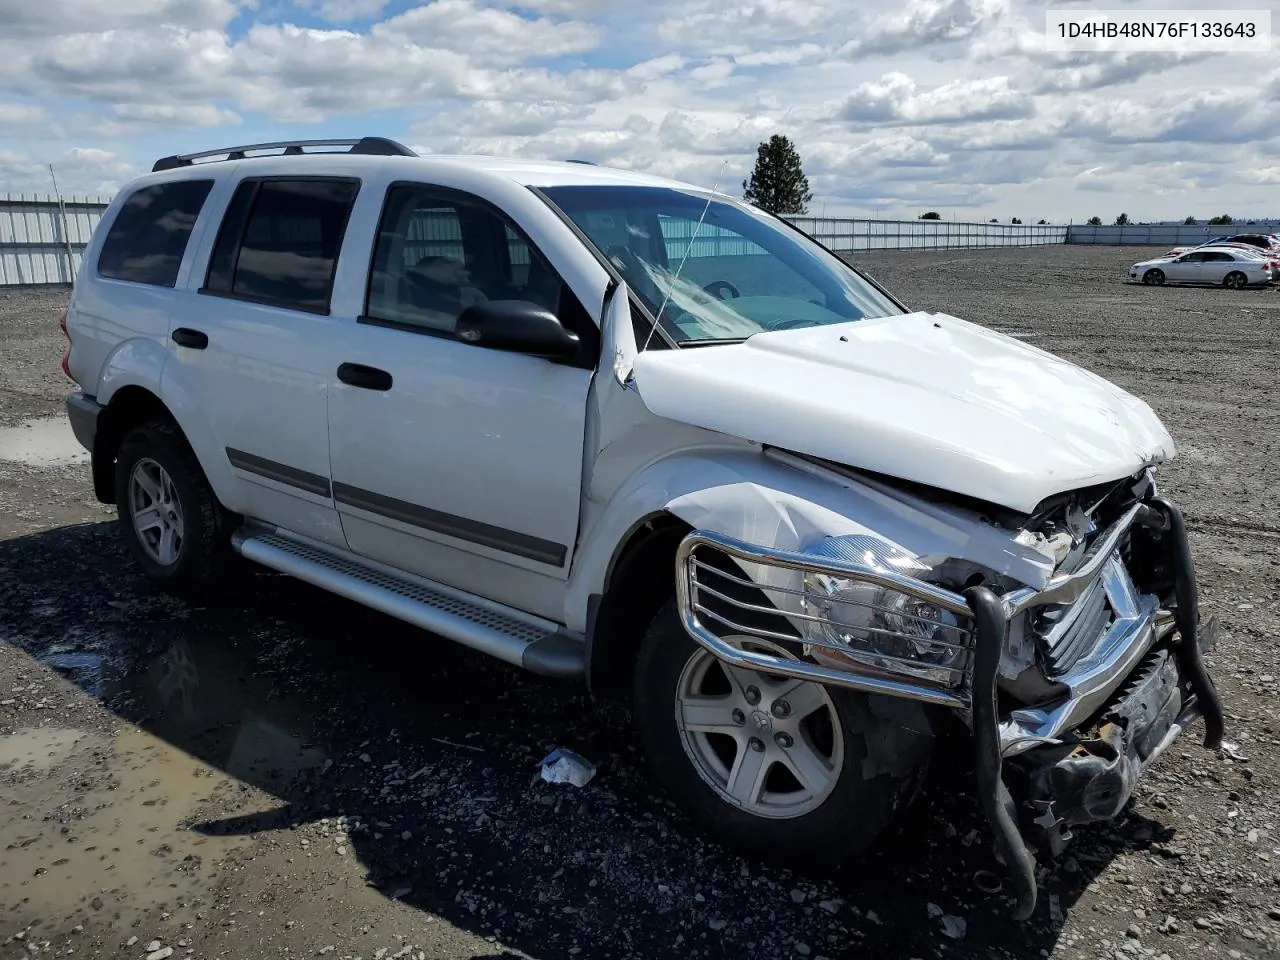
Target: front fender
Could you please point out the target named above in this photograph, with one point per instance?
(773, 501)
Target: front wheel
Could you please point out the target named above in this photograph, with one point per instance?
(1153, 277)
(1235, 280)
(781, 770)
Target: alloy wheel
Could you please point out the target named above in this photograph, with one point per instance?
(769, 745)
(156, 511)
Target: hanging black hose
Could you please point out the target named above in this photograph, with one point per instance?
(990, 628)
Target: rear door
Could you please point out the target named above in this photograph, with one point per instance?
(1217, 264)
(253, 349)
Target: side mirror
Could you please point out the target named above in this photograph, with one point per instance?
(518, 326)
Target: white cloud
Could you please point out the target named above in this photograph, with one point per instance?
(896, 99)
(921, 23)
(35, 18)
(919, 104)
(486, 35)
(342, 11)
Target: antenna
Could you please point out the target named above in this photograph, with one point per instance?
(672, 286)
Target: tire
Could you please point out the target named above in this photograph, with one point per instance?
(1235, 280)
(878, 749)
(1153, 277)
(157, 456)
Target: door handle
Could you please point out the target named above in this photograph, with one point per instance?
(367, 378)
(186, 337)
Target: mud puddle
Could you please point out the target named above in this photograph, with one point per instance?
(99, 828)
(43, 442)
(108, 826)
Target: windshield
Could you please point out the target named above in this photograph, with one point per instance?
(744, 273)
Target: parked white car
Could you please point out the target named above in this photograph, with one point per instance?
(1215, 266)
(603, 425)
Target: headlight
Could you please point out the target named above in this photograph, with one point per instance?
(882, 627)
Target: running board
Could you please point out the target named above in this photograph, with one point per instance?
(511, 636)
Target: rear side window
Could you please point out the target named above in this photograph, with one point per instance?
(149, 235)
(280, 240)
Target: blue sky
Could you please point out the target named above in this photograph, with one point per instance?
(949, 105)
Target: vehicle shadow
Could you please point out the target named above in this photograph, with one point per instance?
(430, 752)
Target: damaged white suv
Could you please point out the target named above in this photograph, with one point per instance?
(605, 425)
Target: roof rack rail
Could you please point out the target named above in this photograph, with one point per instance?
(376, 146)
(589, 163)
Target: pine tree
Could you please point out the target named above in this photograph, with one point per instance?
(778, 183)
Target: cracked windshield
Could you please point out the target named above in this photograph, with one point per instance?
(715, 270)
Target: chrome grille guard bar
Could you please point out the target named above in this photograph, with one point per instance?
(699, 619)
(988, 617)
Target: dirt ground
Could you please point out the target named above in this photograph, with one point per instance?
(285, 774)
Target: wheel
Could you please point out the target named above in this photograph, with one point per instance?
(718, 289)
(781, 770)
(1153, 276)
(1235, 280)
(168, 514)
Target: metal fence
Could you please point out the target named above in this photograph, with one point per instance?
(42, 238)
(845, 235)
(1159, 234)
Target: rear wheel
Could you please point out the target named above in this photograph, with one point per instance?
(781, 770)
(169, 517)
(1153, 277)
(1235, 280)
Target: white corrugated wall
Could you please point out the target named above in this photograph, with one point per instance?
(35, 232)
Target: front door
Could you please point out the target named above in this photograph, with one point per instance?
(1186, 269)
(457, 462)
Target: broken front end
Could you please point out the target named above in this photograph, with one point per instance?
(1070, 690)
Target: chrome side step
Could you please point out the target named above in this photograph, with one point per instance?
(510, 635)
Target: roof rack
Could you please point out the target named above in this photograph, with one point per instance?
(375, 146)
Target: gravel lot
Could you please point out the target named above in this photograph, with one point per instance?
(286, 774)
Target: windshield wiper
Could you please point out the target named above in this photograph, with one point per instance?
(707, 341)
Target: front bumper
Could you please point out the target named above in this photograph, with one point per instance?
(1071, 761)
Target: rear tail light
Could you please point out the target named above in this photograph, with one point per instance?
(66, 356)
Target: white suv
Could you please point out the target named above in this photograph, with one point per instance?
(603, 425)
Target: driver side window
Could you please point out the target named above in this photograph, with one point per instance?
(439, 251)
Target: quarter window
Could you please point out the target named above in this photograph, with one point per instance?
(280, 241)
(149, 235)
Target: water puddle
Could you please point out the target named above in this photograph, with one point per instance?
(103, 826)
(45, 442)
(95, 824)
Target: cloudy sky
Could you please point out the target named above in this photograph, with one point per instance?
(896, 107)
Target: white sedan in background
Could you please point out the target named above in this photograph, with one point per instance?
(1236, 269)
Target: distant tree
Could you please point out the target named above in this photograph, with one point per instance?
(1189, 222)
(1122, 220)
(1042, 222)
(1094, 221)
(1015, 220)
(931, 215)
(1221, 221)
(778, 183)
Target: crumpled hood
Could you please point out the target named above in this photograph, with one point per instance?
(924, 397)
